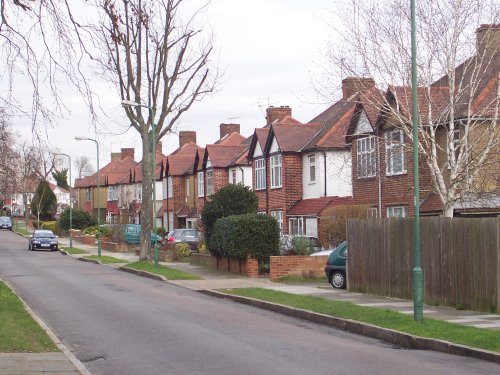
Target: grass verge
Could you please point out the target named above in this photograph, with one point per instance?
(106, 259)
(169, 273)
(18, 331)
(74, 250)
(436, 329)
(21, 231)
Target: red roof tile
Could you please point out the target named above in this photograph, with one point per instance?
(179, 165)
(314, 207)
(232, 139)
(222, 156)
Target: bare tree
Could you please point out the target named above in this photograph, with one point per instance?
(83, 167)
(459, 90)
(158, 55)
(42, 43)
(8, 158)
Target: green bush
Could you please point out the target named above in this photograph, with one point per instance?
(81, 219)
(92, 231)
(50, 225)
(230, 200)
(161, 231)
(181, 250)
(247, 235)
(302, 246)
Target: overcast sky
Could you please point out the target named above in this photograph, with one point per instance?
(270, 50)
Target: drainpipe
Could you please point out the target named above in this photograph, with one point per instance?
(324, 164)
(379, 175)
(168, 211)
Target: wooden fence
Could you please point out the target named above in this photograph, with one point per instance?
(460, 260)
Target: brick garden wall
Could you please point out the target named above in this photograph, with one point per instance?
(248, 267)
(306, 266)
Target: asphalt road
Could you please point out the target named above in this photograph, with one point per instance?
(118, 323)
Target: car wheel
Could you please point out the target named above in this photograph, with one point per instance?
(338, 279)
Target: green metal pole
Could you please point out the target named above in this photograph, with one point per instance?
(417, 270)
(152, 111)
(98, 203)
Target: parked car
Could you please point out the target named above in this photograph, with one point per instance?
(335, 268)
(287, 243)
(188, 235)
(43, 239)
(132, 234)
(5, 222)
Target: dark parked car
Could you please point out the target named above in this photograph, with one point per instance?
(5, 222)
(190, 236)
(43, 239)
(335, 268)
(288, 241)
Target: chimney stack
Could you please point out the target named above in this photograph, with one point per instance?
(186, 136)
(488, 39)
(277, 113)
(116, 156)
(226, 129)
(127, 152)
(352, 85)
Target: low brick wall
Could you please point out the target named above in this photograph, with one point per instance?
(86, 239)
(248, 267)
(297, 266)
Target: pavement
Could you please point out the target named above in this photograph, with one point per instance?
(214, 280)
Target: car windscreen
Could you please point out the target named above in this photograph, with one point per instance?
(44, 235)
(5, 219)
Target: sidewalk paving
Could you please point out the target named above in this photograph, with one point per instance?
(213, 280)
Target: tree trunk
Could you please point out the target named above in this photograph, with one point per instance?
(448, 211)
(147, 200)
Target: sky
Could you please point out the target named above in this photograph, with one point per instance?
(270, 51)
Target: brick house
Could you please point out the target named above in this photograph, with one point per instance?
(382, 150)
(222, 163)
(179, 184)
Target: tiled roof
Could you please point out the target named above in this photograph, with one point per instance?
(189, 148)
(291, 136)
(179, 165)
(121, 173)
(261, 134)
(222, 156)
(159, 161)
(314, 207)
(232, 139)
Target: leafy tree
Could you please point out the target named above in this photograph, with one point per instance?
(61, 178)
(81, 219)
(230, 200)
(44, 202)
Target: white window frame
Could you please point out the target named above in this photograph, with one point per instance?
(366, 157)
(276, 167)
(233, 177)
(112, 193)
(299, 224)
(260, 174)
(395, 153)
(372, 212)
(278, 215)
(312, 168)
(396, 211)
(88, 195)
(187, 186)
(201, 184)
(210, 181)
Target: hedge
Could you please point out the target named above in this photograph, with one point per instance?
(246, 235)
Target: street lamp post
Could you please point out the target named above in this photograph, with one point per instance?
(98, 194)
(152, 110)
(70, 205)
(418, 289)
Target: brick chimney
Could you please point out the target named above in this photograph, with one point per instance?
(186, 136)
(277, 113)
(226, 129)
(352, 85)
(488, 38)
(116, 156)
(127, 152)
